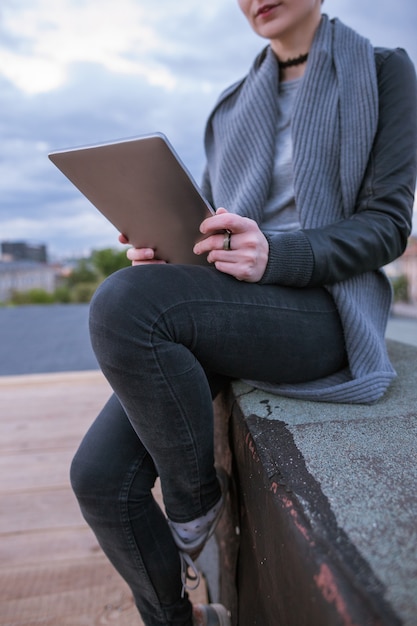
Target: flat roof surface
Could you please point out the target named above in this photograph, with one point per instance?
(364, 460)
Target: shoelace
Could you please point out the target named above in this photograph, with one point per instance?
(188, 564)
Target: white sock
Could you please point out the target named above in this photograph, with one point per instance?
(191, 531)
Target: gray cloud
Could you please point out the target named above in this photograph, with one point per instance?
(202, 51)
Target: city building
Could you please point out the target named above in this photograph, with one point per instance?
(22, 276)
(22, 251)
(23, 267)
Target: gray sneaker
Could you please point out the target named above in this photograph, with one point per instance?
(210, 615)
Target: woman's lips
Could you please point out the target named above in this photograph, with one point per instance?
(265, 9)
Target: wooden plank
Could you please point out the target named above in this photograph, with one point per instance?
(37, 510)
(67, 594)
(52, 570)
(37, 548)
(45, 435)
(49, 413)
(34, 469)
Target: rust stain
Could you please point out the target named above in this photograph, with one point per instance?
(296, 519)
(251, 446)
(327, 585)
(288, 504)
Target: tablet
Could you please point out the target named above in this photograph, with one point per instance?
(141, 186)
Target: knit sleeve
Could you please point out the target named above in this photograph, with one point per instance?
(377, 232)
(290, 261)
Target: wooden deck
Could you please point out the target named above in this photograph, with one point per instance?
(52, 571)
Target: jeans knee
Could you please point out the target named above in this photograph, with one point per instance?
(109, 300)
(83, 476)
(91, 477)
(111, 324)
(97, 495)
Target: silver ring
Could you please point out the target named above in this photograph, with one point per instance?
(227, 240)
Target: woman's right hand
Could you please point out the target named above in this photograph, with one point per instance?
(140, 256)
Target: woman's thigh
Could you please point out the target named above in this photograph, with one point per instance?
(235, 329)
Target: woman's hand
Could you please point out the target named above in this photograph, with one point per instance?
(140, 256)
(248, 254)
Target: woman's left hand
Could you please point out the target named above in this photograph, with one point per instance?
(248, 254)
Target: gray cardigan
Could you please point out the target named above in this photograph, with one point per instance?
(354, 195)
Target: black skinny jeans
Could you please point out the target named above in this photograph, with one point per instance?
(167, 338)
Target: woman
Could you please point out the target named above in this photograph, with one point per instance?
(313, 156)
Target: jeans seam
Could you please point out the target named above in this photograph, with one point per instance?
(127, 530)
(195, 469)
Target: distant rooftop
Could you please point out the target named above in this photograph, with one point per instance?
(24, 251)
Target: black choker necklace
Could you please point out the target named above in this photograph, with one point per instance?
(291, 62)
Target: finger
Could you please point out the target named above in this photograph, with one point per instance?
(241, 272)
(223, 256)
(208, 226)
(227, 267)
(123, 238)
(226, 221)
(140, 254)
(210, 243)
(215, 224)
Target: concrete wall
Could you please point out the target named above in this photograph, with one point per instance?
(320, 527)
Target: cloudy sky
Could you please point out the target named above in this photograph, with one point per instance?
(75, 72)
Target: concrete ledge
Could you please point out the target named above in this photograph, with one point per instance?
(321, 528)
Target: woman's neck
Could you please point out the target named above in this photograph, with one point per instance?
(293, 46)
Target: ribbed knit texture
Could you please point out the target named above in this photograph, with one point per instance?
(334, 125)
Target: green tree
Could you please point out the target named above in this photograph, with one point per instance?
(83, 292)
(62, 294)
(32, 296)
(400, 288)
(81, 283)
(108, 261)
(82, 273)
(89, 273)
